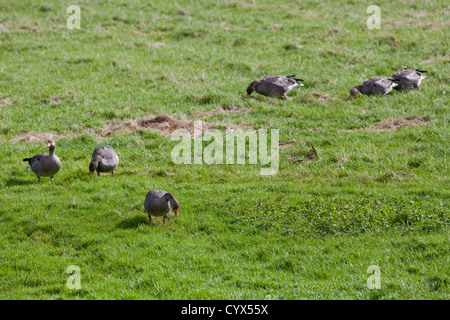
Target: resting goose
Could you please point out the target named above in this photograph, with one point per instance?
(408, 79)
(374, 85)
(274, 86)
(104, 159)
(45, 164)
(158, 204)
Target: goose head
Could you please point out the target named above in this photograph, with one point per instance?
(51, 145)
(174, 204)
(94, 164)
(252, 87)
(354, 91)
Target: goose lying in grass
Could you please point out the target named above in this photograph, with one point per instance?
(158, 204)
(104, 159)
(45, 164)
(408, 79)
(274, 86)
(374, 85)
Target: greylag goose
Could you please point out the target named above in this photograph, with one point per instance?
(274, 86)
(408, 79)
(158, 204)
(374, 85)
(104, 159)
(45, 164)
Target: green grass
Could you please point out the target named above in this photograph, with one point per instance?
(308, 232)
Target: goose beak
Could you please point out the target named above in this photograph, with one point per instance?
(90, 173)
(176, 212)
(49, 144)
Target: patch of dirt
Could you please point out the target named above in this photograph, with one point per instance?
(429, 24)
(275, 26)
(246, 5)
(3, 29)
(226, 27)
(329, 33)
(5, 102)
(287, 144)
(323, 97)
(155, 44)
(60, 16)
(163, 123)
(393, 41)
(436, 25)
(220, 110)
(393, 124)
(433, 60)
(37, 137)
(395, 23)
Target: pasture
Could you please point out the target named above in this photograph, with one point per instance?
(375, 192)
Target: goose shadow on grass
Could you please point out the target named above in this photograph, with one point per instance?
(133, 222)
(11, 182)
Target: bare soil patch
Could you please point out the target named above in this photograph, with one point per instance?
(393, 124)
(287, 144)
(323, 97)
(37, 137)
(163, 123)
(220, 110)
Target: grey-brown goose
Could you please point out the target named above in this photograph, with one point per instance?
(408, 79)
(104, 159)
(45, 164)
(274, 86)
(158, 204)
(374, 85)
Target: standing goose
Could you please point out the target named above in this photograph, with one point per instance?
(374, 85)
(104, 159)
(158, 204)
(274, 86)
(45, 164)
(408, 79)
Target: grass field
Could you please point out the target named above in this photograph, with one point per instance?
(377, 193)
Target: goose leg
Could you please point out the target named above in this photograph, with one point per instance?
(149, 219)
(112, 173)
(164, 220)
(98, 173)
(39, 179)
(51, 178)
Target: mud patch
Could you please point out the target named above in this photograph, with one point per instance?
(5, 102)
(155, 44)
(220, 110)
(393, 124)
(329, 33)
(162, 123)
(3, 29)
(323, 97)
(287, 144)
(37, 137)
(434, 60)
(246, 5)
